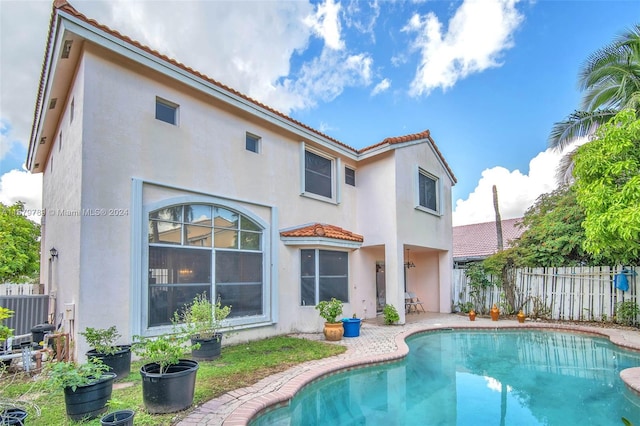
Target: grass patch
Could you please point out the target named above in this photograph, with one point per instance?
(238, 366)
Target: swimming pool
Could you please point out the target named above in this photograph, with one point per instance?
(477, 378)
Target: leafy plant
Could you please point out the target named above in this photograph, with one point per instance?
(164, 350)
(71, 375)
(201, 318)
(102, 340)
(627, 312)
(20, 242)
(539, 310)
(479, 283)
(391, 315)
(5, 332)
(330, 309)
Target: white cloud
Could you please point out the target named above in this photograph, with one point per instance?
(477, 35)
(381, 87)
(19, 185)
(516, 191)
(325, 24)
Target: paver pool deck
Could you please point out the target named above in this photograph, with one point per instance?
(377, 343)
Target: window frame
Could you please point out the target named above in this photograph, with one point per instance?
(257, 142)
(347, 178)
(317, 276)
(333, 164)
(421, 173)
(266, 315)
(168, 105)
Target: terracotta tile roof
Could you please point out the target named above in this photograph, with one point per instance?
(480, 240)
(323, 230)
(65, 6)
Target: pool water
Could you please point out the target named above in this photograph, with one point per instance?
(477, 378)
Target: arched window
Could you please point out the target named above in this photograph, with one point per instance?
(204, 248)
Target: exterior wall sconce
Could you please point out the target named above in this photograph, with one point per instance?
(409, 264)
(53, 252)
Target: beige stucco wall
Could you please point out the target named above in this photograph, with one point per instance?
(120, 141)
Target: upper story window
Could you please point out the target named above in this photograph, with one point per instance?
(349, 176)
(428, 194)
(166, 111)
(253, 143)
(318, 174)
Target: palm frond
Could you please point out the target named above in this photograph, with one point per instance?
(564, 171)
(578, 124)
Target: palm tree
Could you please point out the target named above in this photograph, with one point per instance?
(610, 78)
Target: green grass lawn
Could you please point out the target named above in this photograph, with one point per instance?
(238, 366)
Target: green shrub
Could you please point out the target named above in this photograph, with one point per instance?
(390, 314)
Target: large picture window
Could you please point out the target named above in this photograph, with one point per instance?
(201, 248)
(318, 174)
(323, 274)
(428, 191)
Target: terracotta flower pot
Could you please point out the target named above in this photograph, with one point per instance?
(495, 313)
(333, 331)
(472, 315)
(521, 317)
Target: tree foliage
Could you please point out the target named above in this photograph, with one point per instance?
(553, 233)
(19, 245)
(607, 173)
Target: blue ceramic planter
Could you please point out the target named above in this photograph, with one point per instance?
(351, 327)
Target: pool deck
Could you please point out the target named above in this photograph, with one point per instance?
(377, 343)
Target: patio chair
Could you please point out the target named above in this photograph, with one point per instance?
(415, 301)
(409, 304)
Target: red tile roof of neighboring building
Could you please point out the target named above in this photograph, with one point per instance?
(480, 240)
(322, 230)
(67, 7)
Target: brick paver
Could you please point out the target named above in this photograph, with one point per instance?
(376, 343)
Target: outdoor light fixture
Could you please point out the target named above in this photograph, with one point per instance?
(54, 252)
(409, 264)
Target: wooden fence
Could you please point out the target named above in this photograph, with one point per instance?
(570, 293)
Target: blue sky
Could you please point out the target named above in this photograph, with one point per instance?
(488, 78)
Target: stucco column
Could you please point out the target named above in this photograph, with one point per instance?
(394, 264)
(445, 266)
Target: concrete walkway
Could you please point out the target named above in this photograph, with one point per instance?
(376, 343)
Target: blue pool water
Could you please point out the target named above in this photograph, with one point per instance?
(477, 378)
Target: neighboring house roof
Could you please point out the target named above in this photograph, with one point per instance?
(480, 240)
(63, 5)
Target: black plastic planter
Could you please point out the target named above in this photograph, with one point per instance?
(209, 348)
(119, 363)
(89, 401)
(13, 416)
(171, 391)
(118, 418)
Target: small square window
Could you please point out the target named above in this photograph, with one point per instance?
(253, 143)
(349, 176)
(166, 111)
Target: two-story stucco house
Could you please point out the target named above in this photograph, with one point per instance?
(161, 183)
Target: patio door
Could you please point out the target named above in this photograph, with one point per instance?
(380, 286)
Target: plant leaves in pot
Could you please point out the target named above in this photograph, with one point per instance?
(104, 347)
(87, 387)
(168, 381)
(329, 310)
(202, 321)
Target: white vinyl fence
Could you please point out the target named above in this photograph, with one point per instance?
(570, 293)
(8, 289)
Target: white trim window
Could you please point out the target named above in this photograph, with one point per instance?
(323, 274)
(166, 111)
(428, 198)
(204, 248)
(318, 174)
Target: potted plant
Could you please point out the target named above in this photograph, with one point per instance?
(391, 315)
(168, 381)
(87, 387)
(202, 321)
(329, 310)
(103, 341)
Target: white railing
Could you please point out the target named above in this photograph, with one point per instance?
(8, 289)
(570, 293)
